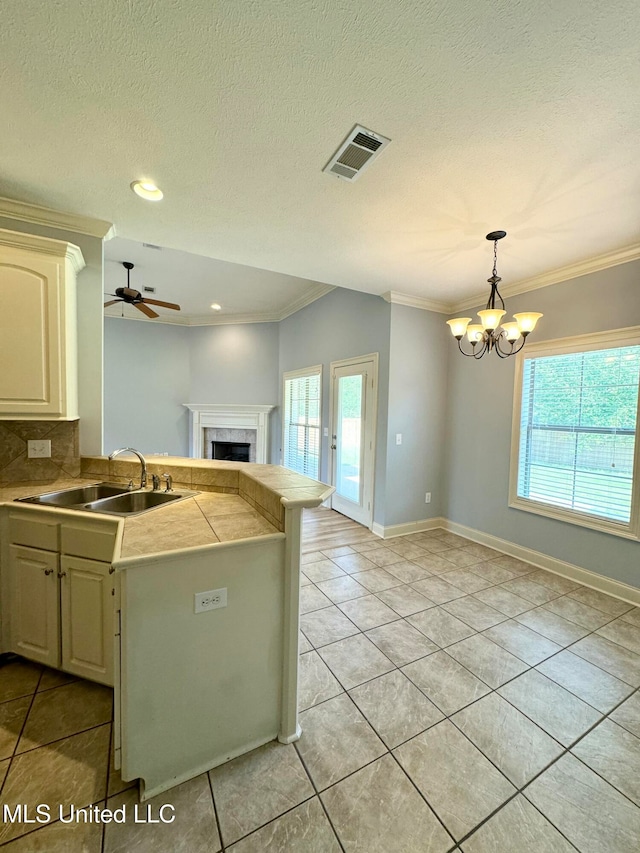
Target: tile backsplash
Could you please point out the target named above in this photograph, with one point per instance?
(65, 450)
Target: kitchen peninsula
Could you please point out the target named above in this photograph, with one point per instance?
(192, 688)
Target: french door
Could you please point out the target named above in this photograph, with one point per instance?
(353, 419)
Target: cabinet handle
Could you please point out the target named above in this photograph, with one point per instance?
(61, 574)
(48, 571)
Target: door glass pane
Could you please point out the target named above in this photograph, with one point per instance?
(349, 443)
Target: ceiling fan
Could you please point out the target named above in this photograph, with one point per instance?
(134, 297)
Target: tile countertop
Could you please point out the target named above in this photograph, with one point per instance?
(237, 501)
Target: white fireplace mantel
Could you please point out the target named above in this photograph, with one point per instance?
(226, 416)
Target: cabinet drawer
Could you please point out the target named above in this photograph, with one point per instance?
(90, 542)
(35, 534)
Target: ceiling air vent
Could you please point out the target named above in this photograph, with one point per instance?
(149, 289)
(152, 246)
(357, 151)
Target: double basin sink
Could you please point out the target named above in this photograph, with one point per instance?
(110, 498)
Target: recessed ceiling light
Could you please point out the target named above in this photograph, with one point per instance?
(147, 190)
(216, 306)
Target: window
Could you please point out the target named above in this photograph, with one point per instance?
(575, 440)
(301, 441)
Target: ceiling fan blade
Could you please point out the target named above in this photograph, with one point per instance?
(142, 307)
(162, 304)
(113, 302)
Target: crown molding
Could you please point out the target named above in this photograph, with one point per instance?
(44, 246)
(234, 319)
(597, 264)
(24, 212)
(398, 298)
(312, 295)
(204, 320)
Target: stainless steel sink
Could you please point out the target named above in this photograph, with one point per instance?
(78, 495)
(109, 498)
(134, 503)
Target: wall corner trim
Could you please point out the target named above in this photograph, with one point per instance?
(25, 212)
(609, 586)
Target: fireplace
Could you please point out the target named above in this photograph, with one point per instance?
(218, 422)
(231, 451)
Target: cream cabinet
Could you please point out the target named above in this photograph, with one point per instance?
(35, 609)
(38, 327)
(61, 593)
(86, 618)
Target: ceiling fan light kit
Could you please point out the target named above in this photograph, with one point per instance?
(133, 297)
(490, 333)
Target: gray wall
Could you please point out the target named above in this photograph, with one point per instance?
(479, 424)
(90, 341)
(417, 399)
(234, 364)
(343, 324)
(152, 369)
(146, 374)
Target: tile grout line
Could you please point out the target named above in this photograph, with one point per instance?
(22, 728)
(565, 749)
(317, 793)
(215, 812)
(106, 784)
(65, 737)
(507, 618)
(424, 799)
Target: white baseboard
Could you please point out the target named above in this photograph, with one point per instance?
(618, 589)
(409, 527)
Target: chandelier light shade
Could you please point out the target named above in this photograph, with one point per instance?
(491, 334)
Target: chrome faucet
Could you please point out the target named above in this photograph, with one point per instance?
(169, 480)
(143, 462)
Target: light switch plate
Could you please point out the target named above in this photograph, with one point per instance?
(39, 448)
(398, 438)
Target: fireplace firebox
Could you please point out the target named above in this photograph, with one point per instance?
(230, 451)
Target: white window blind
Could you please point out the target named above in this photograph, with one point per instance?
(301, 450)
(578, 431)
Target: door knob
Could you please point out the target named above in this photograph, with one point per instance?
(334, 446)
(48, 571)
(61, 574)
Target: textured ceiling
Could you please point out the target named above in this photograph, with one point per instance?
(516, 115)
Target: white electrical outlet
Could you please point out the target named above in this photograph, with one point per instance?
(398, 438)
(39, 448)
(427, 498)
(210, 600)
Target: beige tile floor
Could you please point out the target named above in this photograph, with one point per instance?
(452, 698)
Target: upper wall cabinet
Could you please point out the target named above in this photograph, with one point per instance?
(38, 328)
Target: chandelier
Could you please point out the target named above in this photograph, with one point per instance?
(506, 339)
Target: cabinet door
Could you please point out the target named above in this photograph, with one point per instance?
(35, 604)
(87, 618)
(32, 335)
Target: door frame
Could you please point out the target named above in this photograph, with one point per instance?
(369, 456)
